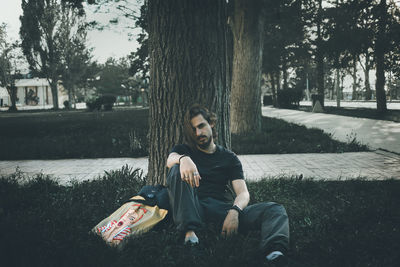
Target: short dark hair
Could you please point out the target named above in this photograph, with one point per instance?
(192, 112)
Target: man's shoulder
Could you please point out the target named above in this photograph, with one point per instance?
(180, 148)
(226, 151)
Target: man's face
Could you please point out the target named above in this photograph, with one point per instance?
(202, 131)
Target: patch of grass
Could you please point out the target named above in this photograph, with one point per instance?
(56, 135)
(123, 133)
(336, 223)
(280, 137)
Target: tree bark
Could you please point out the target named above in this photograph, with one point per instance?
(273, 88)
(188, 64)
(319, 55)
(54, 93)
(368, 93)
(354, 76)
(380, 59)
(12, 91)
(247, 28)
(337, 88)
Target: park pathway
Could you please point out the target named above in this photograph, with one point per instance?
(329, 166)
(377, 134)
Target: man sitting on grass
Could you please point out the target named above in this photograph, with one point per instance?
(199, 174)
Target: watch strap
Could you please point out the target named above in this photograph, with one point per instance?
(236, 207)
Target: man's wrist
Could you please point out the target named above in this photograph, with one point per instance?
(237, 208)
(181, 157)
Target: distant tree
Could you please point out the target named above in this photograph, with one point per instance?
(285, 44)
(343, 42)
(74, 54)
(41, 45)
(380, 50)
(111, 76)
(319, 51)
(140, 58)
(11, 61)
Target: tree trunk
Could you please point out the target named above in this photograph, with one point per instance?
(354, 76)
(54, 93)
(12, 91)
(188, 64)
(368, 93)
(278, 81)
(337, 88)
(380, 60)
(273, 88)
(247, 28)
(284, 74)
(319, 55)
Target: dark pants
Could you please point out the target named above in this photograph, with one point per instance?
(190, 213)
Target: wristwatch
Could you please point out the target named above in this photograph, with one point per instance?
(236, 207)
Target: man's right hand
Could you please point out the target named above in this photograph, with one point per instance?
(189, 172)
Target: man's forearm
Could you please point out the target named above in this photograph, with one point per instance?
(242, 200)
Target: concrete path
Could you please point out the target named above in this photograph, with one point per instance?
(377, 134)
(370, 165)
(394, 104)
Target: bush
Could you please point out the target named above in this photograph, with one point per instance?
(66, 104)
(93, 104)
(267, 100)
(108, 101)
(289, 98)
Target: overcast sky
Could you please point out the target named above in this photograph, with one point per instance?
(113, 42)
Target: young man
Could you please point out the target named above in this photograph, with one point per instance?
(198, 179)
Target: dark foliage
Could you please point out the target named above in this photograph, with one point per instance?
(289, 97)
(123, 133)
(105, 101)
(341, 223)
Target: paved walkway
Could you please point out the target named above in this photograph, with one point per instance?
(377, 134)
(394, 104)
(370, 165)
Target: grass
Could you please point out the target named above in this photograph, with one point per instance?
(332, 223)
(55, 135)
(368, 113)
(280, 137)
(123, 133)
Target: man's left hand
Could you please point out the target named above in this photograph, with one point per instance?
(231, 223)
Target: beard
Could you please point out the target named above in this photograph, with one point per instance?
(205, 144)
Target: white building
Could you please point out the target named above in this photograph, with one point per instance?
(4, 97)
(37, 92)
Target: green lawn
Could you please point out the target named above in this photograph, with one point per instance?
(123, 133)
(332, 223)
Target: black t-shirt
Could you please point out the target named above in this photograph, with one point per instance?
(216, 170)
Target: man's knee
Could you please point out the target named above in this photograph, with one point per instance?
(173, 174)
(272, 208)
